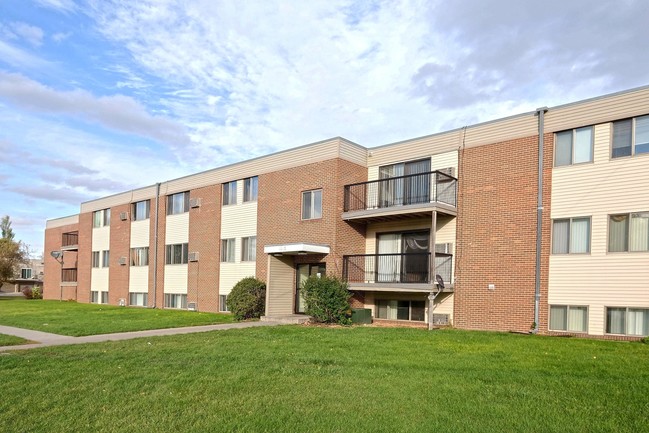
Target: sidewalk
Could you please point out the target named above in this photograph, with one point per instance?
(44, 339)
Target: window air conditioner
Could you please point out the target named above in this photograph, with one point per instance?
(191, 306)
(122, 260)
(193, 257)
(123, 216)
(194, 202)
(121, 302)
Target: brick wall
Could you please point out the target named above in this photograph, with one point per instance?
(120, 241)
(496, 235)
(280, 206)
(204, 236)
(156, 294)
(84, 258)
(52, 273)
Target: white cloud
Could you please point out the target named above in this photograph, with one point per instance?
(61, 36)
(118, 112)
(60, 5)
(32, 34)
(20, 59)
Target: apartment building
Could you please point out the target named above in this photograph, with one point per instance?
(535, 222)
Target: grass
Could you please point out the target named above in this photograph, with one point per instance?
(10, 340)
(315, 379)
(76, 319)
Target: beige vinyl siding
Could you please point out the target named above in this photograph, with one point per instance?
(446, 227)
(353, 152)
(598, 189)
(138, 279)
(140, 233)
(237, 221)
(63, 221)
(438, 162)
(280, 290)
(177, 229)
(101, 238)
(443, 303)
(99, 279)
(596, 110)
(120, 198)
(175, 279)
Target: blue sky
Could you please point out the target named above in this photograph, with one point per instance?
(102, 96)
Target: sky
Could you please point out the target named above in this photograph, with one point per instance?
(99, 97)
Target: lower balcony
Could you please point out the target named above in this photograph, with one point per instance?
(68, 277)
(404, 270)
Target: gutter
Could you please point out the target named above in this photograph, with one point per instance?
(539, 219)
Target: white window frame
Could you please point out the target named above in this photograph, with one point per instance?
(140, 256)
(249, 249)
(572, 146)
(230, 193)
(101, 218)
(24, 274)
(567, 318)
(178, 203)
(629, 235)
(569, 237)
(634, 121)
(309, 198)
(139, 208)
(228, 247)
(626, 321)
(134, 297)
(170, 254)
(96, 261)
(223, 304)
(171, 300)
(250, 189)
(105, 258)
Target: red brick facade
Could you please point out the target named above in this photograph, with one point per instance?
(496, 235)
(52, 286)
(120, 241)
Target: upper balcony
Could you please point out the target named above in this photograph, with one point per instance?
(70, 241)
(401, 196)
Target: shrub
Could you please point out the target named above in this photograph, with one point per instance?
(247, 300)
(33, 292)
(327, 300)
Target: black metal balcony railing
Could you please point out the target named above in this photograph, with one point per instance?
(396, 268)
(434, 186)
(69, 276)
(70, 239)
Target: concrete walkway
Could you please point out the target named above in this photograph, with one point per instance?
(45, 339)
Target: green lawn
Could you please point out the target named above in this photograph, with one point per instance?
(314, 379)
(10, 340)
(76, 319)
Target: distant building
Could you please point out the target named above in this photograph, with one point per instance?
(460, 209)
(28, 275)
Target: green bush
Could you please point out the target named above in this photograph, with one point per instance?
(33, 292)
(327, 300)
(247, 300)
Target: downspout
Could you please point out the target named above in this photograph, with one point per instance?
(539, 219)
(155, 245)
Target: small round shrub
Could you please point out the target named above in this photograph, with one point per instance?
(33, 292)
(327, 300)
(247, 300)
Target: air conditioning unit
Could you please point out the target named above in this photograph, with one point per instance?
(194, 202)
(440, 319)
(123, 216)
(450, 171)
(122, 260)
(191, 306)
(193, 257)
(444, 248)
(121, 302)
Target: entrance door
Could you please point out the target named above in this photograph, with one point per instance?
(302, 272)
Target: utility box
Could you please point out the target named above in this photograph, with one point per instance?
(362, 316)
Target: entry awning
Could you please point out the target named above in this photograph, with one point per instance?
(297, 249)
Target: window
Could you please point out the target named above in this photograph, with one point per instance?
(630, 137)
(227, 250)
(401, 310)
(405, 183)
(25, 273)
(173, 300)
(178, 203)
(95, 259)
(177, 254)
(140, 256)
(312, 204)
(573, 147)
(571, 235)
(249, 249)
(138, 299)
(141, 210)
(223, 306)
(628, 232)
(94, 296)
(628, 321)
(250, 188)
(568, 318)
(230, 193)
(104, 297)
(101, 218)
(105, 259)
(97, 297)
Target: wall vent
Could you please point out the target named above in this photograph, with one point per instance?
(123, 216)
(193, 257)
(191, 306)
(122, 261)
(194, 202)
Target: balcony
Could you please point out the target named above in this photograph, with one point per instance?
(404, 270)
(70, 241)
(395, 197)
(68, 277)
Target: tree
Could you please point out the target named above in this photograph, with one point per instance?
(247, 299)
(5, 228)
(12, 253)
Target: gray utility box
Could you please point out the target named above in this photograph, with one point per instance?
(362, 316)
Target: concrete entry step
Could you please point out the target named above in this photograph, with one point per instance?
(297, 319)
